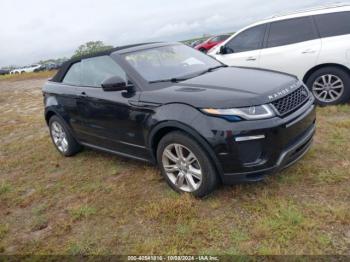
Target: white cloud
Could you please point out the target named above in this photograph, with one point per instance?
(40, 29)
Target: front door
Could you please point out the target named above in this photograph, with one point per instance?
(244, 48)
(110, 119)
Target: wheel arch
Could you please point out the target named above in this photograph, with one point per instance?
(50, 112)
(166, 127)
(48, 115)
(315, 68)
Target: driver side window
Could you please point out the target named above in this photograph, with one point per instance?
(248, 40)
(97, 69)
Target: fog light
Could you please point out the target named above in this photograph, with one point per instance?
(248, 138)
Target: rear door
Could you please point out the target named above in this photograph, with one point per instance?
(334, 30)
(244, 48)
(291, 46)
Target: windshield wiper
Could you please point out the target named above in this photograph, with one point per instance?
(173, 80)
(211, 69)
(176, 79)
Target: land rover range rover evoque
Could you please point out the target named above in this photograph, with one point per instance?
(202, 122)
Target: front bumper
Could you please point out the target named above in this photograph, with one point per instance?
(287, 157)
(276, 144)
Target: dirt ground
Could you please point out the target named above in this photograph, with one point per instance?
(96, 203)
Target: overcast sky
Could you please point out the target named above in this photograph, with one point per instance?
(32, 30)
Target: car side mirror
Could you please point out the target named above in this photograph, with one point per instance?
(114, 83)
(223, 50)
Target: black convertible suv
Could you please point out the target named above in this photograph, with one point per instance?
(202, 122)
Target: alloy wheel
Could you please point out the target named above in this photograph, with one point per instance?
(328, 88)
(59, 137)
(182, 167)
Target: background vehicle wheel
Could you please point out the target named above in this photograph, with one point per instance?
(203, 50)
(185, 165)
(63, 140)
(330, 86)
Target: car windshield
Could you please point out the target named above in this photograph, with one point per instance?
(170, 62)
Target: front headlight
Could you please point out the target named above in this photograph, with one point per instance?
(247, 113)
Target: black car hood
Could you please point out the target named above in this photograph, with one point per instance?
(224, 88)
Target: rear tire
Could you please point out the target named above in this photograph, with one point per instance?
(62, 138)
(188, 169)
(330, 86)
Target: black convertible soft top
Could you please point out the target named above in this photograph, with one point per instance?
(65, 67)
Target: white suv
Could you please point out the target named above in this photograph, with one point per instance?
(27, 69)
(312, 44)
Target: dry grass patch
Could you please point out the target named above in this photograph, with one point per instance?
(4, 188)
(170, 210)
(27, 76)
(82, 212)
(4, 229)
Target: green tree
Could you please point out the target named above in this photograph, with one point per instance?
(90, 48)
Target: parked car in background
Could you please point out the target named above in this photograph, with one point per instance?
(4, 71)
(197, 42)
(312, 44)
(48, 67)
(202, 122)
(27, 69)
(211, 42)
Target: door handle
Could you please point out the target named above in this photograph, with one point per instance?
(308, 51)
(251, 58)
(83, 94)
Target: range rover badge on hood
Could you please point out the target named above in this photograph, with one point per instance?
(284, 91)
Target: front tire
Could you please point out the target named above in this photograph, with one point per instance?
(62, 138)
(330, 86)
(185, 165)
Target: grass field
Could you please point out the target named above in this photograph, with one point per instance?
(96, 203)
(27, 76)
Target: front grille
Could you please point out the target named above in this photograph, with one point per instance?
(291, 102)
